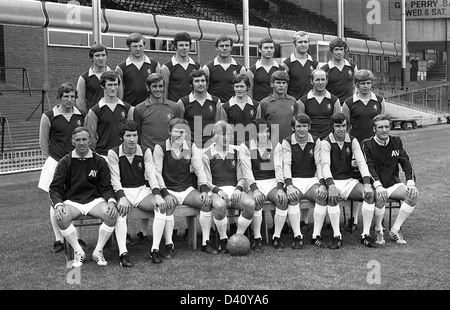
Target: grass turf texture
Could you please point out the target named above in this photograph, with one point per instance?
(423, 263)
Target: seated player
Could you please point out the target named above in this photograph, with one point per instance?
(176, 162)
(337, 151)
(384, 153)
(132, 167)
(262, 171)
(303, 177)
(222, 166)
(82, 185)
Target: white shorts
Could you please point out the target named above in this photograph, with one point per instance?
(181, 196)
(304, 184)
(48, 170)
(345, 187)
(85, 208)
(136, 194)
(265, 186)
(392, 189)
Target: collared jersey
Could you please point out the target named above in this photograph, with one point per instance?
(178, 82)
(261, 79)
(299, 75)
(55, 133)
(340, 83)
(89, 89)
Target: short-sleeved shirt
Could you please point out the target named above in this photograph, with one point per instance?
(299, 75)
(261, 79)
(178, 85)
(340, 83)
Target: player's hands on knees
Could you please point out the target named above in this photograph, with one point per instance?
(381, 194)
(235, 197)
(368, 191)
(258, 197)
(321, 192)
(224, 196)
(160, 204)
(123, 206)
(111, 210)
(293, 193)
(333, 194)
(412, 191)
(59, 211)
(282, 197)
(205, 199)
(171, 201)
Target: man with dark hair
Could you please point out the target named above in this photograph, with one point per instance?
(134, 70)
(176, 71)
(88, 87)
(132, 167)
(103, 119)
(340, 71)
(259, 74)
(299, 66)
(222, 69)
(82, 185)
(337, 152)
(384, 153)
(55, 131)
(200, 109)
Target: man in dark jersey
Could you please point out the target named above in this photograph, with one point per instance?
(55, 131)
(259, 74)
(222, 69)
(82, 185)
(88, 87)
(384, 153)
(299, 66)
(176, 71)
(134, 70)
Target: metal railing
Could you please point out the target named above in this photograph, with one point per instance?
(25, 78)
(41, 102)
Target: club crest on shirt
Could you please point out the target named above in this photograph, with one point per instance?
(311, 153)
(329, 107)
(169, 117)
(211, 109)
(292, 108)
(187, 157)
(252, 113)
(233, 163)
(350, 73)
(234, 72)
(149, 71)
(78, 122)
(311, 68)
(139, 165)
(122, 114)
(347, 151)
(375, 108)
(93, 173)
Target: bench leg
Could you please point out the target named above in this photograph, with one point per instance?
(192, 231)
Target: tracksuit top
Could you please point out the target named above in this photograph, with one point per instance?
(81, 180)
(383, 161)
(300, 76)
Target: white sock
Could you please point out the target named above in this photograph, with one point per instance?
(378, 218)
(104, 232)
(356, 208)
(168, 229)
(320, 212)
(55, 226)
(367, 211)
(256, 224)
(121, 234)
(159, 223)
(205, 225)
(335, 214)
(279, 219)
(294, 219)
(71, 236)
(242, 224)
(403, 213)
(221, 226)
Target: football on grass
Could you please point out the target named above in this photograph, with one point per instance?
(238, 245)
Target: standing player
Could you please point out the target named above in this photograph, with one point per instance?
(340, 71)
(363, 106)
(200, 109)
(222, 69)
(222, 167)
(175, 161)
(134, 70)
(88, 87)
(299, 66)
(259, 74)
(319, 104)
(82, 185)
(241, 110)
(55, 131)
(153, 117)
(303, 177)
(177, 70)
(384, 153)
(261, 164)
(132, 167)
(337, 152)
(102, 121)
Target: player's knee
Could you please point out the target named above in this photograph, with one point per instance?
(219, 208)
(111, 222)
(412, 201)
